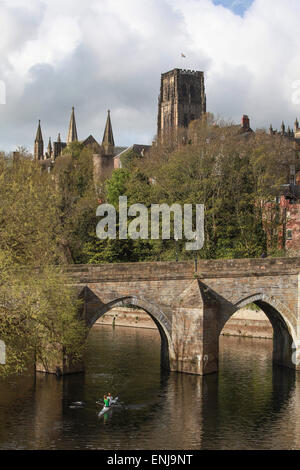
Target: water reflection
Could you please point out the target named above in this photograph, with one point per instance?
(249, 404)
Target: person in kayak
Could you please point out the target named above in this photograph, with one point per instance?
(110, 398)
(106, 401)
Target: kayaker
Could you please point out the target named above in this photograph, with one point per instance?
(110, 398)
(106, 401)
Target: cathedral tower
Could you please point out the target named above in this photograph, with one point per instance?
(72, 134)
(104, 160)
(108, 142)
(39, 144)
(49, 149)
(182, 99)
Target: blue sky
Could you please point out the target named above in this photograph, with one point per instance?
(237, 6)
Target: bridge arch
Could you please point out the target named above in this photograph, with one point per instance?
(282, 321)
(160, 319)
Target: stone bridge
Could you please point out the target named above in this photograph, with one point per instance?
(191, 302)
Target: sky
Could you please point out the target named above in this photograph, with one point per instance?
(238, 7)
(109, 54)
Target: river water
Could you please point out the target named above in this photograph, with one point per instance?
(249, 404)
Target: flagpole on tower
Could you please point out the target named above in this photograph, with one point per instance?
(183, 56)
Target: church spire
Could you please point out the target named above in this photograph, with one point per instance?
(38, 144)
(49, 149)
(108, 142)
(39, 137)
(72, 134)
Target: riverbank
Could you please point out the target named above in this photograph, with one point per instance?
(245, 322)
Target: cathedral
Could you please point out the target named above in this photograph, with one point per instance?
(182, 99)
(103, 155)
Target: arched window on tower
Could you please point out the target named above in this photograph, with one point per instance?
(167, 121)
(184, 90)
(192, 92)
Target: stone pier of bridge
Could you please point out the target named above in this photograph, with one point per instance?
(191, 302)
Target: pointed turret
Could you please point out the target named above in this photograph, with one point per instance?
(108, 138)
(271, 132)
(296, 125)
(58, 147)
(49, 148)
(39, 137)
(72, 134)
(39, 144)
(282, 128)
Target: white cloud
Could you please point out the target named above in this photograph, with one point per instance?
(110, 54)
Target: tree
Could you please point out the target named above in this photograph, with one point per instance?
(38, 310)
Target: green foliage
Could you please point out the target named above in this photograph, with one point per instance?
(129, 158)
(74, 149)
(235, 176)
(29, 214)
(38, 310)
(116, 186)
(39, 317)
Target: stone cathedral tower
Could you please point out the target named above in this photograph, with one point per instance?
(182, 99)
(39, 144)
(72, 134)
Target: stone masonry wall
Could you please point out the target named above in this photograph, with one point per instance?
(244, 322)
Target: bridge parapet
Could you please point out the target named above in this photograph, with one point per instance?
(183, 270)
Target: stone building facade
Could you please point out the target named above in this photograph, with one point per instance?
(289, 199)
(103, 157)
(182, 99)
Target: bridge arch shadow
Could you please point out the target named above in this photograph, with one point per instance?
(98, 309)
(281, 320)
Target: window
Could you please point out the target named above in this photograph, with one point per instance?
(292, 179)
(192, 92)
(289, 234)
(184, 90)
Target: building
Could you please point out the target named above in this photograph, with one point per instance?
(39, 144)
(288, 200)
(135, 149)
(182, 99)
(103, 157)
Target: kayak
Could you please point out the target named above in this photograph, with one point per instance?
(77, 404)
(107, 408)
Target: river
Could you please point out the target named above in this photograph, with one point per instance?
(248, 404)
